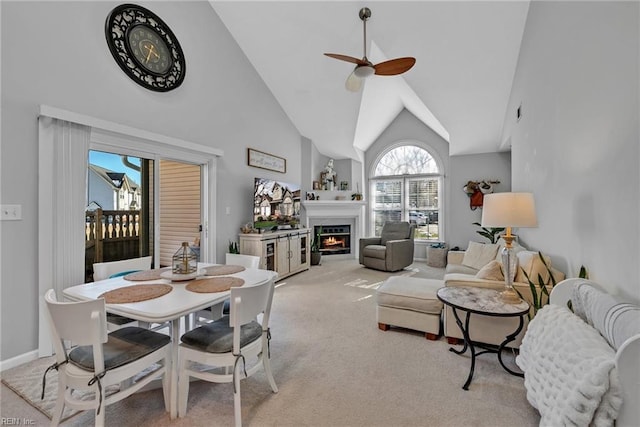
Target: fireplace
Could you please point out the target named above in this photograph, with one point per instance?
(329, 213)
(334, 239)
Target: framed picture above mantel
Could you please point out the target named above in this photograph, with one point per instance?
(262, 160)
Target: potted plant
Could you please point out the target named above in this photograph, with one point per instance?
(357, 195)
(233, 247)
(491, 233)
(316, 255)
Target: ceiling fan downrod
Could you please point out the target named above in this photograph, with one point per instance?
(365, 14)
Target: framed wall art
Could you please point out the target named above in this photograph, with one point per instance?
(259, 159)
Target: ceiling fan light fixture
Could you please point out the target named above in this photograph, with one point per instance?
(353, 83)
(364, 71)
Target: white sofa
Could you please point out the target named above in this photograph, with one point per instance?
(581, 363)
(492, 330)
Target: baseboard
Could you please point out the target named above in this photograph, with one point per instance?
(18, 360)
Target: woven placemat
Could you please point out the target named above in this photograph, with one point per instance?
(141, 276)
(222, 270)
(214, 284)
(135, 293)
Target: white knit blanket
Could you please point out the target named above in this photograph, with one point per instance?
(570, 374)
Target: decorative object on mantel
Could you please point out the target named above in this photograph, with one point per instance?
(259, 159)
(357, 195)
(344, 185)
(328, 178)
(476, 191)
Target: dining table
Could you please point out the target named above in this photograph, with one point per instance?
(173, 306)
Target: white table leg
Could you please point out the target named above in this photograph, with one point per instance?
(173, 385)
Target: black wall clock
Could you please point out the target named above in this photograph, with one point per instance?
(145, 47)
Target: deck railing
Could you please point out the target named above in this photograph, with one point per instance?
(111, 235)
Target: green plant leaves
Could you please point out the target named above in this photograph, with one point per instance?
(492, 234)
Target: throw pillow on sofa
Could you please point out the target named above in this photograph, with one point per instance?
(530, 262)
(478, 255)
(491, 271)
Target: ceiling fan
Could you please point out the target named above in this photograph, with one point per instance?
(365, 68)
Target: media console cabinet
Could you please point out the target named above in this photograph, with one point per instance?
(286, 251)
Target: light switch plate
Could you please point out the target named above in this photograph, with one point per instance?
(10, 212)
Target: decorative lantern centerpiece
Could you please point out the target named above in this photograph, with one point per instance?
(185, 260)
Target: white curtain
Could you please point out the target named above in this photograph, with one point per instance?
(62, 183)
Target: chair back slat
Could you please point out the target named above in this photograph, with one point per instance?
(69, 320)
(248, 302)
(103, 270)
(248, 261)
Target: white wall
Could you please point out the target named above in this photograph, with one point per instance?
(55, 53)
(576, 146)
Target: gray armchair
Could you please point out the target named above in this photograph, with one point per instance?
(392, 251)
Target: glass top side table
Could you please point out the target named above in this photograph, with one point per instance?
(485, 302)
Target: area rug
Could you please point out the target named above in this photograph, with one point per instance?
(26, 381)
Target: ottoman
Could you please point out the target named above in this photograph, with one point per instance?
(410, 302)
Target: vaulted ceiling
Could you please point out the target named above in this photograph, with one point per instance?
(466, 55)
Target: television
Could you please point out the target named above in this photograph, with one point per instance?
(276, 204)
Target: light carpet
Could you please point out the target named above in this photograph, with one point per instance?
(334, 367)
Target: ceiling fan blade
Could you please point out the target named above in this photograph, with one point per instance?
(347, 58)
(394, 66)
(353, 83)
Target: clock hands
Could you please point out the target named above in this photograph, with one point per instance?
(152, 51)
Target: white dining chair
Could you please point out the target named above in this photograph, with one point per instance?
(220, 309)
(106, 270)
(94, 359)
(237, 343)
(248, 261)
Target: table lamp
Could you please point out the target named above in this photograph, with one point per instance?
(509, 210)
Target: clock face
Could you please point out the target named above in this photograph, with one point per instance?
(149, 49)
(145, 48)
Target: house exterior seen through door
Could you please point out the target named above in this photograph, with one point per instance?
(120, 220)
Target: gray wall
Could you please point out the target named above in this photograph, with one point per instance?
(472, 167)
(406, 128)
(458, 170)
(576, 146)
(55, 53)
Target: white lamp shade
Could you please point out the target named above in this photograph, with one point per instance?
(509, 210)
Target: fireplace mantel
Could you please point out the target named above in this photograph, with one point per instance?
(320, 210)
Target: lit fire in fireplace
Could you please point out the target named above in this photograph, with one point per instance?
(332, 242)
(334, 239)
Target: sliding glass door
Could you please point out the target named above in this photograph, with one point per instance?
(121, 214)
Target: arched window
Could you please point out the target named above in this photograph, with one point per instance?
(406, 185)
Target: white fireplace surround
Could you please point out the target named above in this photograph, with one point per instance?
(338, 212)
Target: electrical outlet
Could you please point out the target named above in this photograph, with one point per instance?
(10, 212)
